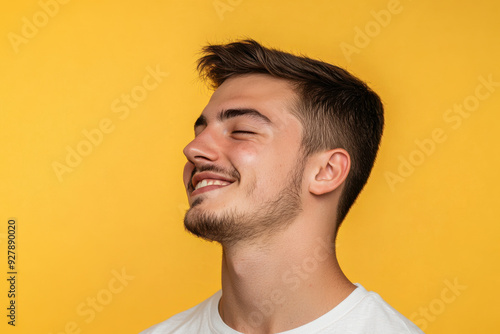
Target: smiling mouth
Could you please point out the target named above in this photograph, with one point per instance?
(204, 182)
(210, 182)
(210, 179)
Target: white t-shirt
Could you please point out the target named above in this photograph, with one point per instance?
(361, 312)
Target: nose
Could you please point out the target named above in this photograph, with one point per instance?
(202, 149)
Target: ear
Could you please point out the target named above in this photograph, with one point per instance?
(331, 169)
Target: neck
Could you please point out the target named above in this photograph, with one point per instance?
(288, 281)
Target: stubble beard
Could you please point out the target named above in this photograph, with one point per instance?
(232, 226)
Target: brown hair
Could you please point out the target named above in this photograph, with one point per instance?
(336, 109)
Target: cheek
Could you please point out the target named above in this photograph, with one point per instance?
(244, 156)
(249, 162)
(267, 169)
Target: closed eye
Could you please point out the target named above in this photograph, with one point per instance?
(244, 132)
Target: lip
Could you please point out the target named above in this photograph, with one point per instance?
(198, 177)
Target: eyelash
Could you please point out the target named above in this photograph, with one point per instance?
(244, 132)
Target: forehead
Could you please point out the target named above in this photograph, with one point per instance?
(270, 96)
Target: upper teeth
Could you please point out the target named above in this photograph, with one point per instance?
(206, 182)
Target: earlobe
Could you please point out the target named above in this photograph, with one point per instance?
(332, 170)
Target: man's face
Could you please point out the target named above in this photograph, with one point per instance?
(244, 171)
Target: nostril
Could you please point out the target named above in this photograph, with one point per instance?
(201, 157)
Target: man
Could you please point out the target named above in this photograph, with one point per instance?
(280, 153)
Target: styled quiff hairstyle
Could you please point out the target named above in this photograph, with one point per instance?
(336, 109)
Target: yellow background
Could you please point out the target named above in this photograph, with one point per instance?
(121, 207)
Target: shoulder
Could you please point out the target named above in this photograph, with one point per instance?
(370, 313)
(190, 321)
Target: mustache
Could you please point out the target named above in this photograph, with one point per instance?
(231, 172)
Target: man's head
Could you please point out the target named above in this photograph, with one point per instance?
(333, 109)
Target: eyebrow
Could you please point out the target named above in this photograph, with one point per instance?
(232, 113)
